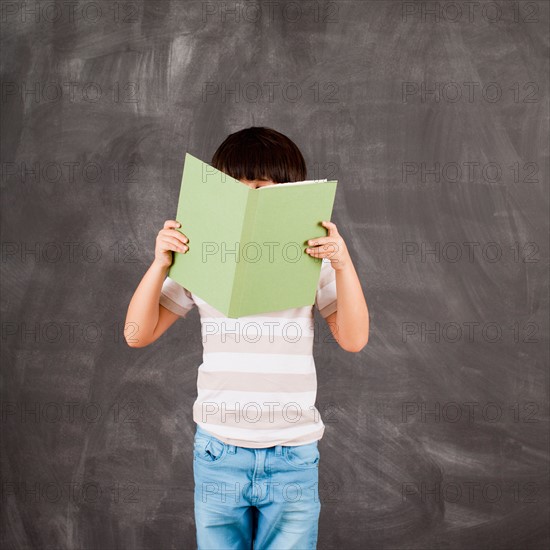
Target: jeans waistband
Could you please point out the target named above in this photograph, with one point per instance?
(233, 448)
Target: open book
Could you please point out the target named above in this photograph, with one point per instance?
(247, 246)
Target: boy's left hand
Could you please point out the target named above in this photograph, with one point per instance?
(332, 246)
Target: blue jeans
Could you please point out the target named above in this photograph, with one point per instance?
(261, 499)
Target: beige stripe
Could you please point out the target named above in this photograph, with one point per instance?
(213, 343)
(255, 417)
(172, 306)
(250, 329)
(256, 382)
(326, 294)
(231, 398)
(328, 309)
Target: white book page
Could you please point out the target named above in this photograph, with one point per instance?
(305, 182)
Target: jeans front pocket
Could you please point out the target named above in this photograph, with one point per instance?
(208, 449)
(302, 456)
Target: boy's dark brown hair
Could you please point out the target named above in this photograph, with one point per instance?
(259, 153)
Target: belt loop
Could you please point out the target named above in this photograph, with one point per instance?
(278, 450)
(231, 448)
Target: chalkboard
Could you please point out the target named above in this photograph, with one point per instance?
(433, 116)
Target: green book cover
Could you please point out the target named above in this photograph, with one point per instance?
(247, 246)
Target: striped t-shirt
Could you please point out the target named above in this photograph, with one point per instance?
(257, 384)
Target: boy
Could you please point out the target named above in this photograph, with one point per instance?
(255, 451)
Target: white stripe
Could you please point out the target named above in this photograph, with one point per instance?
(229, 398)
(257, 363)
(326, 295)
(303, 310)
(260, 434)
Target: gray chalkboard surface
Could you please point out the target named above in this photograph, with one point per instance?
(433, 116)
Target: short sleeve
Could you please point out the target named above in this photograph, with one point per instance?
(176, 298)
(325, 297)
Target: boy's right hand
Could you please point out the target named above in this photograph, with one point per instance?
(169, 240)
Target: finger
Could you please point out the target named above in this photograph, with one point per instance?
(171, 243)
(175, 233)
(320, 240)
(319, 252)
(169, 224)
(320, 255)
(330, 246)
(331, 227)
